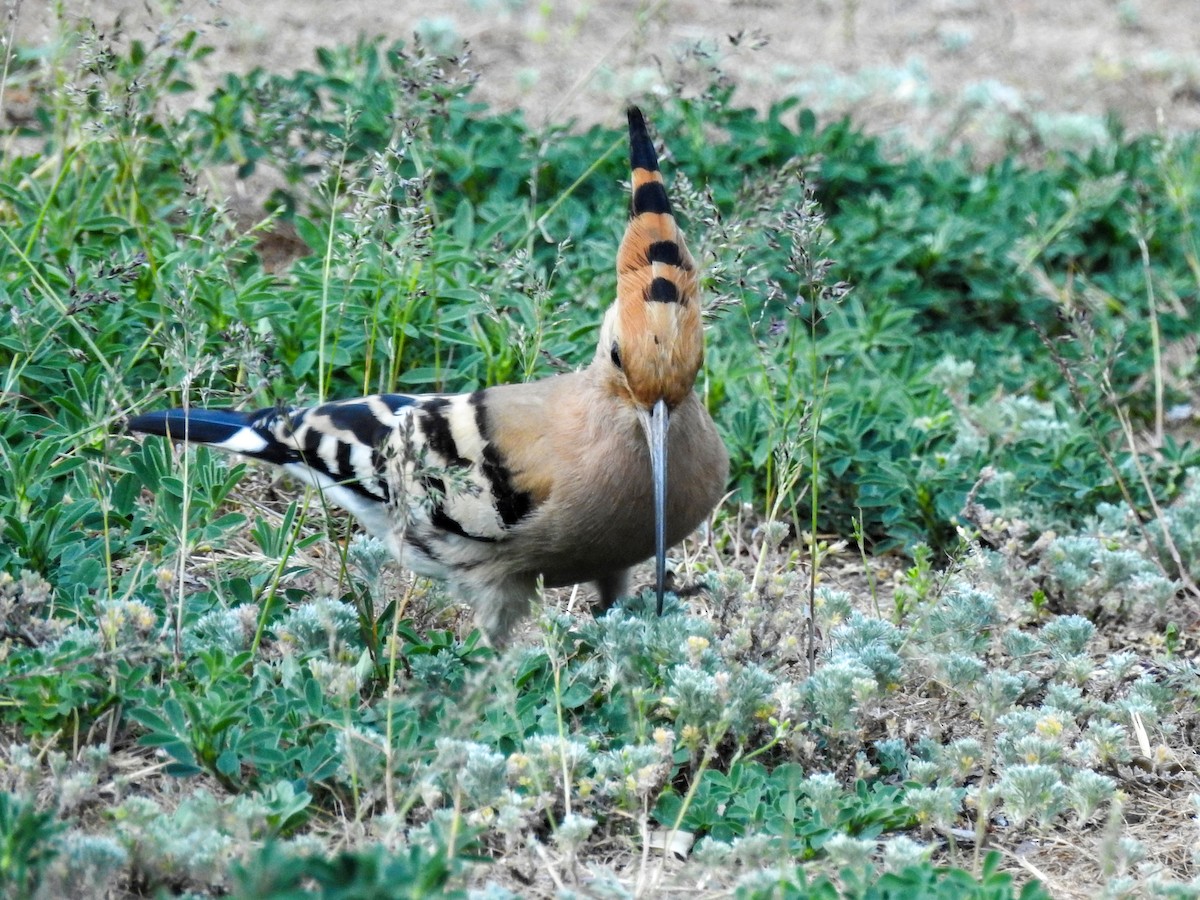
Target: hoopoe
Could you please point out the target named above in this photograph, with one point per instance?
(565, 478)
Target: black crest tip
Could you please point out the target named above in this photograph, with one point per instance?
(641, 148)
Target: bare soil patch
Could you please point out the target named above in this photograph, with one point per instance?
(890, 64)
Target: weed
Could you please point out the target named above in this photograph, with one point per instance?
(27, 846)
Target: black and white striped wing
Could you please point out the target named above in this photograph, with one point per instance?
(418, 468)
(336, 447)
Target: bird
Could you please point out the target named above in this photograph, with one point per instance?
(563, 479)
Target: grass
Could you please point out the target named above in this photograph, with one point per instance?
(209, 685)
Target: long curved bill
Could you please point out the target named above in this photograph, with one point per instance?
(656, 434)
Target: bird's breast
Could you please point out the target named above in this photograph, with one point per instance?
(599, 516)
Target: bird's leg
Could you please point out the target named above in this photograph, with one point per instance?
(611, 587)
(499, 604)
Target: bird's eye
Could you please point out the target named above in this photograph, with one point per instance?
(615, 355)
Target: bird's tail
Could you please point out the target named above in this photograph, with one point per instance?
(237, 432)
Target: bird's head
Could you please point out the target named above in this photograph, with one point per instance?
(652, 339)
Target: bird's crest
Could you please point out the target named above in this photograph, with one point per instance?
(658, 334)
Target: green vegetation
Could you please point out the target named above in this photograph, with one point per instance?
(198, 695)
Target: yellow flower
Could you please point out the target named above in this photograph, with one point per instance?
(1049, 726)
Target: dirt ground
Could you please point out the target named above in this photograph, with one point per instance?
(934, 69)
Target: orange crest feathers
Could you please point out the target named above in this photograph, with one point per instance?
(658, 322)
